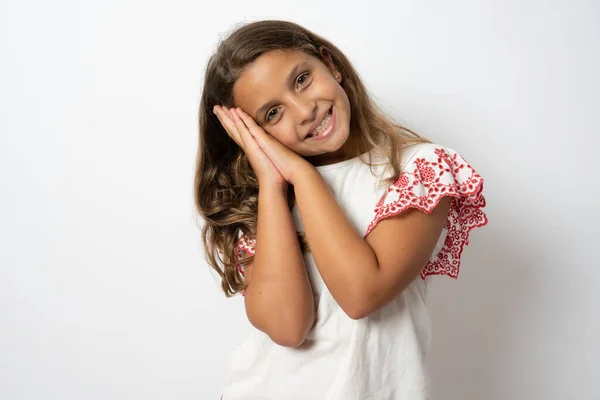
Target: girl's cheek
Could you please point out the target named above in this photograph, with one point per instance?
(277, 134)
(286, 130)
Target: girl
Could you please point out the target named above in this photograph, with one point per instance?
(328, 216)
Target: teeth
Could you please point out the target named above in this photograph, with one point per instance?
(319, 129)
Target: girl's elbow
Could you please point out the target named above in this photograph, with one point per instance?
(359, 306)
(357, 311)
(290, 337)
(355, 307)
(288, 340)
(292, 334)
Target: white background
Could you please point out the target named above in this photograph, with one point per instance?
(104, 293)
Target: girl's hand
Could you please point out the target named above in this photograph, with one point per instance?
(285, 160)
(263, 167)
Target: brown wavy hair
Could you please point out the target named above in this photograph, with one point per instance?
(225, 186)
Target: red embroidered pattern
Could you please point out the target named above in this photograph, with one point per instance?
(422, 186)
(244, 245)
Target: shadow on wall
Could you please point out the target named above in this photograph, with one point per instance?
(476, 318)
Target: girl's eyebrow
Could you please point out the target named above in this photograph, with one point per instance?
(290, 76)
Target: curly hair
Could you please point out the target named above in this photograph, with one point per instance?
(225, 186)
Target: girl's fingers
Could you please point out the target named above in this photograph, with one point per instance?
(240, 127)
(222, 121)
(250, 142)
(253, 128)
(244, 116)
(235, 128)
(226, 120)
(248, 121)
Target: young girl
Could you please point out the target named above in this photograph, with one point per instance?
(328, 216)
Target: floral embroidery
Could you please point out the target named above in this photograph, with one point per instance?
(426, 181)
(244, 245)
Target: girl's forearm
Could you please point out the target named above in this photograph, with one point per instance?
(345, 260)
(279, 298)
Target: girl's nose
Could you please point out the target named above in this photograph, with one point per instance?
(307, 112)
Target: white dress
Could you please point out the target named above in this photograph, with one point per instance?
(382, 356)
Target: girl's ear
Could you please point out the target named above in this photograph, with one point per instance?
(326, 58)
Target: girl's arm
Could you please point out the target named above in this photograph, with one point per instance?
(363, 275)
(278, 298)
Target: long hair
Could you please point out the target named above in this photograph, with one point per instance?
(225, 186)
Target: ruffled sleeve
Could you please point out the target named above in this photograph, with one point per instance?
(244, 245)
(432, 173)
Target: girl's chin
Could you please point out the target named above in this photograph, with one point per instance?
(328, 155)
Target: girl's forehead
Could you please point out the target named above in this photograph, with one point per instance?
(267, 76)
(274, 63)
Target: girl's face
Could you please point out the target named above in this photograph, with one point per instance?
(297, 99)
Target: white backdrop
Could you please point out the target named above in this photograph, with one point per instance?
(104, 293)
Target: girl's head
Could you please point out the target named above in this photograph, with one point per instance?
(288, 79)
(284, 76)
(294, 95)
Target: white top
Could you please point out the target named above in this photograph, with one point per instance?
(382, 356)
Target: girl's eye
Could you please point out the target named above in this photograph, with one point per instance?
(303, 78)
(271, 114)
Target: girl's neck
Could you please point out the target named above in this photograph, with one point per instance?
(347, 151)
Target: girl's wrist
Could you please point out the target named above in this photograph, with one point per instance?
(301, 170)
(274, 188)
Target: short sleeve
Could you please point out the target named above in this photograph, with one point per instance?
(244, 245)
(432, 173)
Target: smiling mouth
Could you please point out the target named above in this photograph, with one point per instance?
(324, 127)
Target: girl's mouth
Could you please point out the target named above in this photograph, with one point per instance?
(325, 128)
